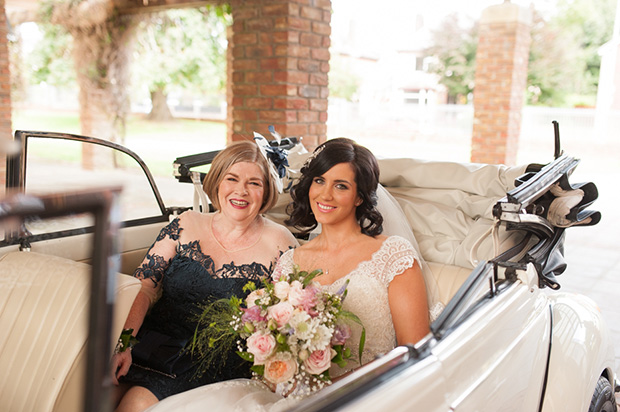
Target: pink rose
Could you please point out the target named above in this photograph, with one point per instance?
(310, 300)
(261, 345)
(296, 294)
(281, 313)
(252, 314)
(280, 289)
(250, 301)
(319, 361)
(280, 368)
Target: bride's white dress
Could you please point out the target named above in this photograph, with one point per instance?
(367, 297)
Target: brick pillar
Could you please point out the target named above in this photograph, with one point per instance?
(500, 81)
(280, 62)
(6, 132)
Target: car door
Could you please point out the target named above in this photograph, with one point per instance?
(60, 163)
(495, 358)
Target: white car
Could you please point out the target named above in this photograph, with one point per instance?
(507, 340)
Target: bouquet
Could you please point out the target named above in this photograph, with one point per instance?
(290, 329)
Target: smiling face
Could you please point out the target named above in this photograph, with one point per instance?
(333, 195)
(241, 191)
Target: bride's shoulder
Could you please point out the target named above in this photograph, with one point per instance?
(397, 241)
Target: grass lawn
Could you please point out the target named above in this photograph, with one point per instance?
(157, 143)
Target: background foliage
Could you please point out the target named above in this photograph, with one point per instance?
(564, 63)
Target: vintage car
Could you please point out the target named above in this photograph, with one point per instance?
(492, 235)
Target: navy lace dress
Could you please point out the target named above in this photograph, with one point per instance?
(189, 279)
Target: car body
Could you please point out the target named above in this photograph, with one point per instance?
(507, 339)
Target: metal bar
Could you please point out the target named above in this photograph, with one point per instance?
(22, 136)
(103, 204)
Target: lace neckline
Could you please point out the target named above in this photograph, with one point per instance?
(194, 252)
(358, 267)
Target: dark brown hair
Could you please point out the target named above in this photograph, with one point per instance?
(326, 156)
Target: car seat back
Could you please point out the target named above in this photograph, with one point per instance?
(44, 309)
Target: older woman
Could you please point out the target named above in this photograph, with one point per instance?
(197, 258)
(386, 289)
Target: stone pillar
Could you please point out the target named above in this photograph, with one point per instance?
(6, 132)
(500, 81)
(279, 65)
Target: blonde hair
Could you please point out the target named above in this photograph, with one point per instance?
(237, 152)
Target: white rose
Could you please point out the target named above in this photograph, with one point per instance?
(280, 289)
(250, 301)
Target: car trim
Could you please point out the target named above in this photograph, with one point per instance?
(453, 314)
(100, 204)
(546, 378)
(24, 239)
(16, 164)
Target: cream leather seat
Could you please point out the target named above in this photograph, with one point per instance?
(449, 279)
(44, 307)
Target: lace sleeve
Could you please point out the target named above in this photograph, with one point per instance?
(284, 266)
(397, 255)
(157, 259)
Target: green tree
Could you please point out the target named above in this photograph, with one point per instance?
(454, 47)
(564, 63)
(554, 64)
(50, 60)
(588, 24)
(181, 48)
(343, 83)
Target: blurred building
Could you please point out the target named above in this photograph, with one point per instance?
(385, 51)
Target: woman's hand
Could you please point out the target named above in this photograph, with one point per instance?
(273, 387)
(120, 364)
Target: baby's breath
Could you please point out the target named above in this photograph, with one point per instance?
(301, 332)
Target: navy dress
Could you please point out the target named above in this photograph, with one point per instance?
(189, 279)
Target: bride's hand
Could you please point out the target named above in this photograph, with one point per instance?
(273, 387)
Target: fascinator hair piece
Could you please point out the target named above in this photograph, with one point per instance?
(314, 154)
(276, 157)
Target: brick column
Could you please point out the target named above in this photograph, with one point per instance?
(280, 62)
(6, 132)
(500, 81)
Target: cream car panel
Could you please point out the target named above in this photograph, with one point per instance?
(135, 241)
(581, 347)
(421, 385)
(476, 367)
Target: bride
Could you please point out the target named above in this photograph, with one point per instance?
(386, 290)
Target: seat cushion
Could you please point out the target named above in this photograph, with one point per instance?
(44, 308)
(449, 279)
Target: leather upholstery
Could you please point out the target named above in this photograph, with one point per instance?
(44, 306)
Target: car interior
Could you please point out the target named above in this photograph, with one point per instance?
(46, 277)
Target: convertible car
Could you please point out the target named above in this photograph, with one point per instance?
(80, 214)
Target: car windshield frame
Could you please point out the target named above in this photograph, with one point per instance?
(16, 167)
